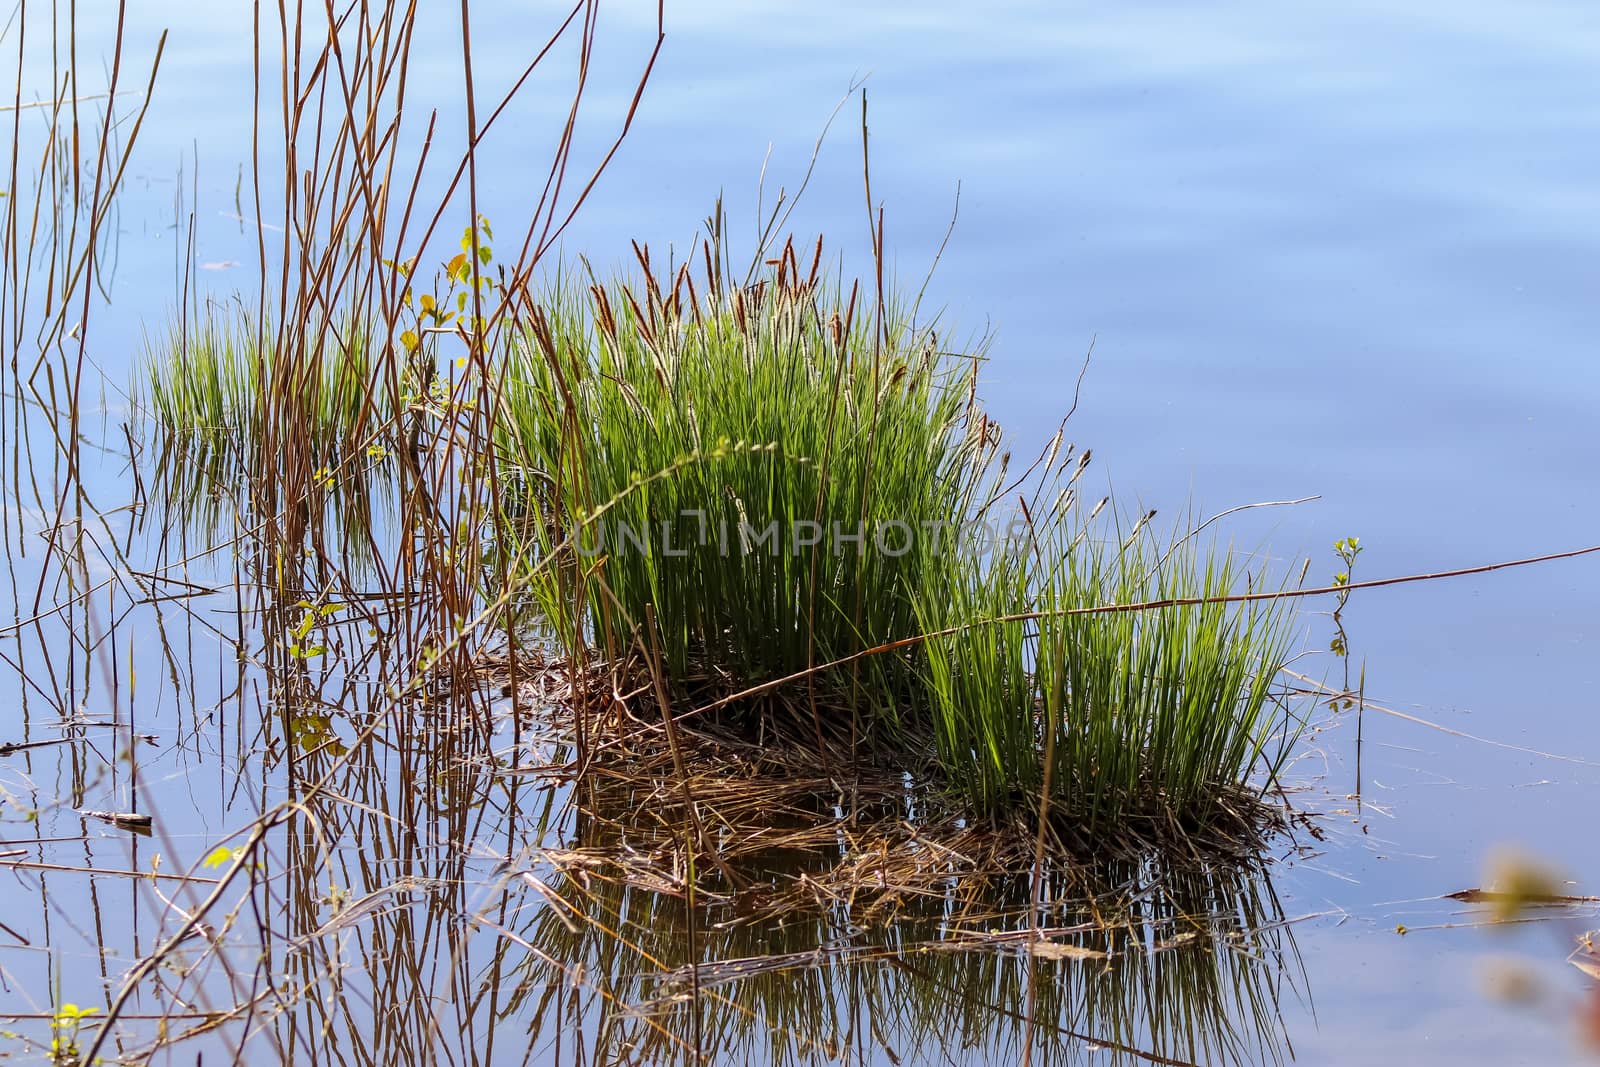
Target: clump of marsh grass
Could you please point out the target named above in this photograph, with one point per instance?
(707, 477)
(209, 387)
(740, 485)
(744, 465)
(206, 380)
(1109, 716)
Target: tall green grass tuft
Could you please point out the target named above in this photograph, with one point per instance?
(1158, 713)
(237, 419)
(803, 454)
(206, 381)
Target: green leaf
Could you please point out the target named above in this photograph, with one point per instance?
(220, 855)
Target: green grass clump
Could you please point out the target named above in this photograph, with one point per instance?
(1162, 712)
(649, 433)
(243, 429)
(749, 483)
(779, 417)
(203, 378)
(214, 380)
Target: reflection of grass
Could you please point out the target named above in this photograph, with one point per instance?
(1167, 965)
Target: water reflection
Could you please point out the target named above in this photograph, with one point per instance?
(438, 896)
(438, 893)
(413, 942)
(1138, 962)
(198, 490)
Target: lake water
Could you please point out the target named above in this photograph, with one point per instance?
(1340, 251)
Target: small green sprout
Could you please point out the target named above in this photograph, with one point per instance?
(64, 1030)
